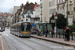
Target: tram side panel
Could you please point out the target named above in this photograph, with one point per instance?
(22, 29)
(26, 29)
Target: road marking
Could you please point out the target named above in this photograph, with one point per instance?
(5, 34)
(2, 43)
(68, 48)
(61, 47)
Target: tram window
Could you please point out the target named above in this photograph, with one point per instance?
(22, 28)
(27, 28)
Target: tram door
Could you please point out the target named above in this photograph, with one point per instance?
(49, 26)
(3, 28)
(42, 29)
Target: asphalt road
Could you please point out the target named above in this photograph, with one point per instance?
(16, 43)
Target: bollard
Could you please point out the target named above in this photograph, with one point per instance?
(63, 35)
(56, 35)
(72, 36)
(59, 35)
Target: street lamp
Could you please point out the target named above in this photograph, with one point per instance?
(67, 14)
(55, 28)
(41, 11)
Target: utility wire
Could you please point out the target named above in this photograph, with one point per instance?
(14, 2)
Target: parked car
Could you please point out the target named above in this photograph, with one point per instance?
(1, 30)
(33, 31)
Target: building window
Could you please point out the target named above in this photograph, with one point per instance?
(41, 5)
(52, 3)
(70, 1)
(51, 11)
(63, 0)
(26, 19)
(63, 11)
(70, 9)
(40, 0)
(58, 1)
(49, 4)
(0, 19)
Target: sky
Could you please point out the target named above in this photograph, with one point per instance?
(7, 5)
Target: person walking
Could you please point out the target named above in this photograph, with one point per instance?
(46, 32)
(68, 33)
(52, 32)
(65, 39)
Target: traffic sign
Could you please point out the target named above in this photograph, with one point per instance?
(52, 21)
(55, 16)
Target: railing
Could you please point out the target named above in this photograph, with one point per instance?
(70, 12)
(61, 35)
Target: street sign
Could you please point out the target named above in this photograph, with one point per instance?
(52, 21)
(55, 16)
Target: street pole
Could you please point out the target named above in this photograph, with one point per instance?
(67, 14)
(41, 14)
(55, 28)
(41, 11)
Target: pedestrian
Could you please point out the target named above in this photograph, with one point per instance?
(52, 32)
(36, 31)
(39, 31)
(46, 32)
(68, 33)
(65, 35)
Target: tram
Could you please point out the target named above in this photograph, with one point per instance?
(3, 28)
(21, 29)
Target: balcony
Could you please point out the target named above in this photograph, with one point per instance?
(71, 3)
(74, 8)
(70, 13)
(74, 20)
(61, 3)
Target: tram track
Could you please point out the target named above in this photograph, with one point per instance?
(40, 44)
(22, 42)
(10, 42)
(33, 42)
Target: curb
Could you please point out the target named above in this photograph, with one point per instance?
(7, 48)
(55, 42)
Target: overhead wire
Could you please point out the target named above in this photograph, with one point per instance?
(12, 5)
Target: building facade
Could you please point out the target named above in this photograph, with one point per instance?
(9, 19)
(37, 14)
(48, 7)
(1, 16)
(74, 10)
(16, 8)
(64, 9)
(25, 12)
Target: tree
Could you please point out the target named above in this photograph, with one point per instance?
(60, 22)
(50, 21)
(72, 28)
(35, 3)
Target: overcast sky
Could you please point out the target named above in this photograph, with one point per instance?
(7, 5)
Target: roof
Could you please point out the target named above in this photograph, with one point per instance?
(9, 14)
(29, 6)
(1, 13)
(36, 6)
(27, 11)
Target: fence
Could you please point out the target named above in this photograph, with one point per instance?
(60, 32)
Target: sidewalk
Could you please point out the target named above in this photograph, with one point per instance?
(56, 40)
(3, 45)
